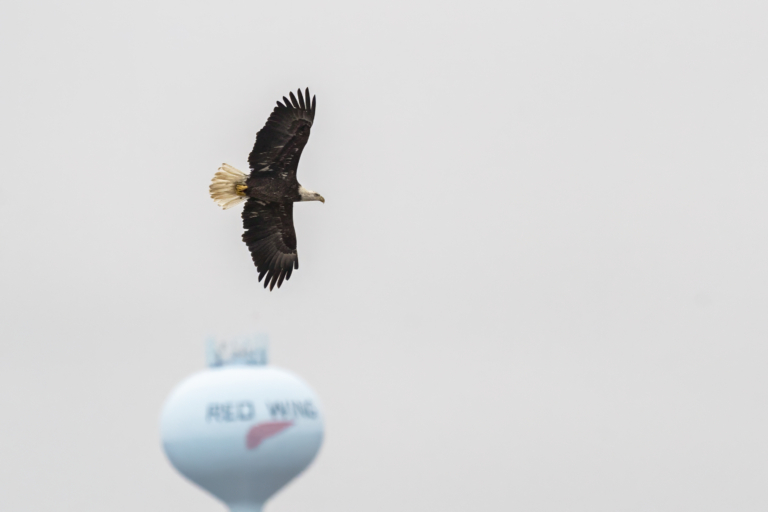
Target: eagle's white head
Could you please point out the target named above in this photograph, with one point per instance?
(310, 195)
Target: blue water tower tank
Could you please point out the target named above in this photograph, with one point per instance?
(241, 429)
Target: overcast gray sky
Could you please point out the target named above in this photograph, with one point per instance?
(539, 281)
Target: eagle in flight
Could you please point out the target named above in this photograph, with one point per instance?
(271, 188)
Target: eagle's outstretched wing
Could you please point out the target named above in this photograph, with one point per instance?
(279, 144)
(271, 238)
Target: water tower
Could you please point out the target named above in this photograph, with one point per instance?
(241, 429)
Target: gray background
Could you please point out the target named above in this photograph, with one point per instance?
(539, 281)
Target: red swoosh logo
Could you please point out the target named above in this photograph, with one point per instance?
(260, 432)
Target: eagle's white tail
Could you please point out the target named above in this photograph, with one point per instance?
(224, 186)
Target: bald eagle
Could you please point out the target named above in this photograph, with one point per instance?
(271, 188)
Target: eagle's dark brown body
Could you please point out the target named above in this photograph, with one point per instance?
(272, 188)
